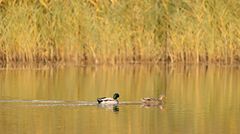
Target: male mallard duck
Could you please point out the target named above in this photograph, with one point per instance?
(154, 101)
(105, 100)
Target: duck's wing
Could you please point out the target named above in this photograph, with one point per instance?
(146, 99)
(108, 99)
(104, 99)
(150, 99)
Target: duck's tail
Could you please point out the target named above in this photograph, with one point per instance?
(99, 100)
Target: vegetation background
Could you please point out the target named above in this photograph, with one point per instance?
(119, 31)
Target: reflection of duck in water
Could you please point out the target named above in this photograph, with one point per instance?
(109, 101)
(113, 107)
(154, 101)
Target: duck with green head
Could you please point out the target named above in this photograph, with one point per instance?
(106, 100)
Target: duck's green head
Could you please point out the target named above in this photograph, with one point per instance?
(115, 96)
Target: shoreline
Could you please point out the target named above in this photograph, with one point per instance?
(139, 64)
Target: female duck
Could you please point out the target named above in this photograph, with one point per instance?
(154, 101)
(111, 101)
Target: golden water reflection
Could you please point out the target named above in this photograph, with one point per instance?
(200, 99)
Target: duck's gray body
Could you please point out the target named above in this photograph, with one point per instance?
(105, 100)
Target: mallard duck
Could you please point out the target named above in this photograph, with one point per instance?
(105, 100)
(154, 101)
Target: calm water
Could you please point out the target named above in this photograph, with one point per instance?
(62, 100)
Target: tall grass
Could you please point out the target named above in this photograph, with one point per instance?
(119, 31)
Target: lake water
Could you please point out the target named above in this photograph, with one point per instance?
(200, 100)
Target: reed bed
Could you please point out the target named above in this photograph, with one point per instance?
(119, 31)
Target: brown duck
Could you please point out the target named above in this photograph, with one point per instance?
(154, 101)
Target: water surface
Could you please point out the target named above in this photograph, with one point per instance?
(200, 99)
